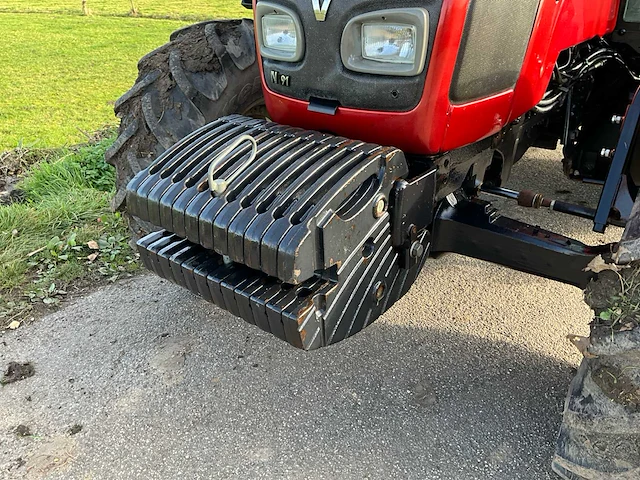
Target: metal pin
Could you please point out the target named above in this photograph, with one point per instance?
(219, 185)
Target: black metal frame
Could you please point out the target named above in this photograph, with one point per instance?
(472, 227)
(619, 165)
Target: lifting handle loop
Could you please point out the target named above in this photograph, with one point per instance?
(219, 185)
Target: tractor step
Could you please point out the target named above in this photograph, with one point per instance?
(311, 315)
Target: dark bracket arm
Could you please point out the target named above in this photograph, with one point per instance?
(476, 229)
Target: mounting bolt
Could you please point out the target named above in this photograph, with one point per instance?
(379, 291)
(417, 249)
(617, 119)
(607, 153)
(380, 206)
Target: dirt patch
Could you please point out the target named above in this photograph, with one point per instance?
(195, 52)
(15, 163)
(615, 299)
(17, 371)
(55, 455)
(75, 429)
(618, 386)
(599, 293)
(22, 431)
(169, 358)
(197, 55)
(10, 194)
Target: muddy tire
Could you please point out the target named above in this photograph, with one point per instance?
(206, 71)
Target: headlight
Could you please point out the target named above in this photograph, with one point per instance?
(279, 33)
(387, 42)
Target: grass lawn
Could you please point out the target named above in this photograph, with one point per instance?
(62, 73)
(64, 230)
(182, 9)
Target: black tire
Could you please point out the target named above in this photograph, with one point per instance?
(206, 71)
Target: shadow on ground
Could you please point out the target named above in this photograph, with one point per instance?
(165, 384)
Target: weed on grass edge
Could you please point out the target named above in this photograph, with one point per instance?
(63, 237)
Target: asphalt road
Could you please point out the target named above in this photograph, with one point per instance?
(463, 379)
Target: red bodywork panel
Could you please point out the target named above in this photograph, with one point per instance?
(436, 124)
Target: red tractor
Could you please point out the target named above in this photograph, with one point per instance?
(298, 170)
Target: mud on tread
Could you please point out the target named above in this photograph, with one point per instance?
(206, 71)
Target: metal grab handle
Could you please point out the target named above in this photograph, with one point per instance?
(220, 185)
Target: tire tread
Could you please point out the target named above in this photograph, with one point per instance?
(206, 71)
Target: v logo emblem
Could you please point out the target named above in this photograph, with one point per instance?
(321, 11)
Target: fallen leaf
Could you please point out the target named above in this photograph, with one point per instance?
(598, 265)
(93, 245)
(605, 315)
(14, 325)
(620, 253)
(627, 327)
(582, 344)
(92, 257)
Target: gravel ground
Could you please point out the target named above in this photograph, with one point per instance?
(463, 379)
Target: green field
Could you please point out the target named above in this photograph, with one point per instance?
(62, 72)
(180, 9)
